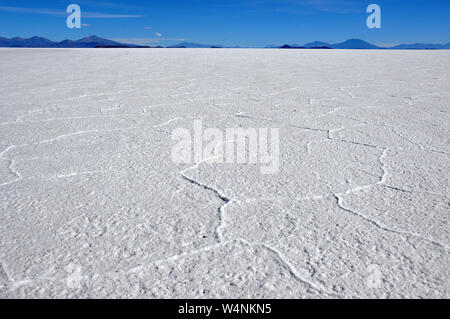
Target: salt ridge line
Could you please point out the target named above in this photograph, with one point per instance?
(226, 199)
(339, 197)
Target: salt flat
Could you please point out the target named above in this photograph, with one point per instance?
(93, 206)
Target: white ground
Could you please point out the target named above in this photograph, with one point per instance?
(93, 206)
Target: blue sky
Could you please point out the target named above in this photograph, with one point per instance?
(230, 22)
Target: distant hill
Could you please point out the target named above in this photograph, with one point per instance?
(194, 45)
(287, 46)
(317, 44)
(355, 44)
(38, 42)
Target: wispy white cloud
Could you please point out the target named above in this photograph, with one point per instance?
(312, 6)
(31, 10)
(106, 4)
(147, 28)
(158, 34)
(109, 15)
(63, 13)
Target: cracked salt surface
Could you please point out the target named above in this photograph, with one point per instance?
(87, 182)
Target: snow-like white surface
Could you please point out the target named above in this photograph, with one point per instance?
(93, 206)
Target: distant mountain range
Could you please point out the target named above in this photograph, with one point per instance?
(88, 42)
(38, 42)
(97, 42)
(363, 45)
